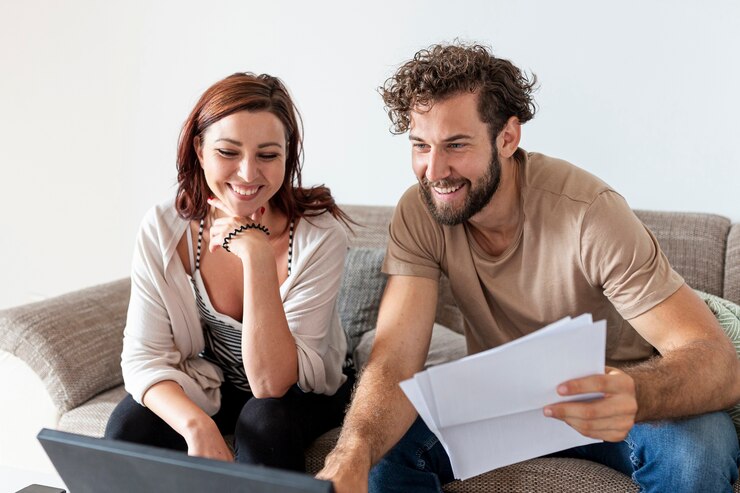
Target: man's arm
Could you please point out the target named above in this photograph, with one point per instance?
(697, 372)
(380, 412)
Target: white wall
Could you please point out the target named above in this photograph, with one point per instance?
(93, 93)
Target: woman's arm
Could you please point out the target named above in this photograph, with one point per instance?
(154, 366)
(168, 401)
(301, 339)
(268, 348)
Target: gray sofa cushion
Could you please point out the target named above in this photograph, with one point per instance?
(91, 417)
(360, 292)
(73, 342)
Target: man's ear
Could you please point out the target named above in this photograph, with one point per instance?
(198, 146)
(507, 141)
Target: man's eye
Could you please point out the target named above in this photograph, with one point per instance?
(456, 146)
(226, 152)
(420, 146)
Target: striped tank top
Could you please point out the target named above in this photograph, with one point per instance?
(222, 334)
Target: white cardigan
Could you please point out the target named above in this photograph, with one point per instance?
(164, 335)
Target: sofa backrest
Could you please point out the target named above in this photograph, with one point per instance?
(372, 233)
(732, 266)
(695, 244)
(703, 248)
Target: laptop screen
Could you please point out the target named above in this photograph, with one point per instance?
(92, 465)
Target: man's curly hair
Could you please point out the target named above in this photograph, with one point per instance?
(442, 71)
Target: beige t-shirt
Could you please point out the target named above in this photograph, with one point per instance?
(580, 249)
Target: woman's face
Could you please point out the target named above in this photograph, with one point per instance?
(243, 158)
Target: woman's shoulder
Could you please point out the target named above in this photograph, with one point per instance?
(161, 228)
(322, 227)
(163, 217)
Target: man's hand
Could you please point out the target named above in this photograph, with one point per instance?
(348, 475)
(609, 418)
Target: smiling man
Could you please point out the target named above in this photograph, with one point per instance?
(525, 240)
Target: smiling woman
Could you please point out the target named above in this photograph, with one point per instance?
(232, 326)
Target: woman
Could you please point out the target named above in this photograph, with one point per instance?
(232, 326)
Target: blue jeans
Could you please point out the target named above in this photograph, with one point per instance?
(688, 455)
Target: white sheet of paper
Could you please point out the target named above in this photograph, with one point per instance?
(486, 409)
(497, 442)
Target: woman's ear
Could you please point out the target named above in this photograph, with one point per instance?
(198, 146)
(507, 141)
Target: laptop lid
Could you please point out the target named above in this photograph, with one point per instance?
(92, 465)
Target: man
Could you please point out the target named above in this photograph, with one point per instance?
(525, 240)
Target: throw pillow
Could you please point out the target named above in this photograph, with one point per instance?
(360, 292)
(728, 316)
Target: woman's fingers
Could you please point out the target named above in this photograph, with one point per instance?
(221, 227)
(215, 202)
(257, 215)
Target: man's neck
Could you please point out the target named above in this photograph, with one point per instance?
(496, 226)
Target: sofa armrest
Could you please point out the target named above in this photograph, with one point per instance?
(72, 342)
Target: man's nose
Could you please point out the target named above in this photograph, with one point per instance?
(437, 166)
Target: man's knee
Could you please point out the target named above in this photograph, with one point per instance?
(418, 450)
(688, 453)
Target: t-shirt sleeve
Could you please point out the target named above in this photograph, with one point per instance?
(620, 255)
(416, 241)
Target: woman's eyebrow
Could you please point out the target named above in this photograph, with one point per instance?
(268, 144)
(231, 141)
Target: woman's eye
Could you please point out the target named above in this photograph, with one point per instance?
(268, 157)
(226, 152)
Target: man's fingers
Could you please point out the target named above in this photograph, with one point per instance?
(608, 418)
(604, 408)
(613, 382)
(607, 430)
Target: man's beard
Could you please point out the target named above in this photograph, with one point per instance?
(477, 198)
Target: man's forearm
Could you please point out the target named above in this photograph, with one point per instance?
(700, 377)
(379, 415)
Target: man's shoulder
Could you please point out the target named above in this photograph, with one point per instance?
(557, 178)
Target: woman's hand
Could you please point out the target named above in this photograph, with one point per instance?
(205, 440)
(168, 400)
(242, 243)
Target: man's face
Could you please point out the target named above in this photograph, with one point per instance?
(453, 158)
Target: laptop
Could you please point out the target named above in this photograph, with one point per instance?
(94, 465)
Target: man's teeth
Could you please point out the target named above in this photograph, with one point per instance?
(245, 191)
(446, 190)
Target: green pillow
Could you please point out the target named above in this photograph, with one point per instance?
(728, 316)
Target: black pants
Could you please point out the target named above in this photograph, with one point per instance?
(273, 432)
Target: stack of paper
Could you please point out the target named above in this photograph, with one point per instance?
(487, 409)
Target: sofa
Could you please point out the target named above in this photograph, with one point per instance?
(72, 343)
